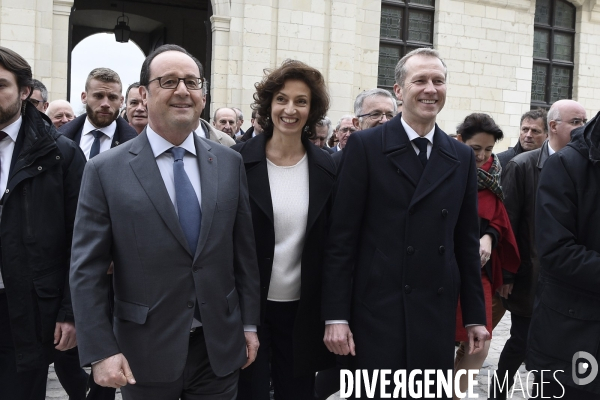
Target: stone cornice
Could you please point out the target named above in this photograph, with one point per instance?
(511, 4)
(62, 7)
(220, 23)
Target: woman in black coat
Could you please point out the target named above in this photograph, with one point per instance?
(290, 183)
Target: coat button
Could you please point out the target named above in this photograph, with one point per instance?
(410, 250)
(190, 304)
(58, 157)
(407, 289)
(441, 290)
(444, 213)
(196, 268)
(39, 168)
(442, 250)
(571, 311)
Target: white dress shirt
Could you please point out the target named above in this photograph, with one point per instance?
(550, 150)
(7, 146)
(413, 135)
(87, 139)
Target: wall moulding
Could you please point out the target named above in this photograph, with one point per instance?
(510, 4)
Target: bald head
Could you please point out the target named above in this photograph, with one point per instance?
(563, 117)
(60, 112)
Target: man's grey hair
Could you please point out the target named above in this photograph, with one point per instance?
(37, 85)
(553, 115)
(222, 108)
(344, 117)
(326, 122)
(360, 99)
(238, 112)
(400, 72)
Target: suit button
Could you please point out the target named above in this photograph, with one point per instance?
(410, 250)
(444, 213)
(441, 290)
(190, 304)
(407, 289)
(571, 312)
(196, 268)
(442, 250)
(411, 211)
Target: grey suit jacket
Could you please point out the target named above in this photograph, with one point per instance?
(132, 221)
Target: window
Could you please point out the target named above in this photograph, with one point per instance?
(553, 48)
(405, 26)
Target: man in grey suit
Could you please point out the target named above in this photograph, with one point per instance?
(177, 226)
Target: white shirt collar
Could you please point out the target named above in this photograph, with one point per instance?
(107, 130)
(550, 149)
(12, 130)
(413, 135)
(159, 144)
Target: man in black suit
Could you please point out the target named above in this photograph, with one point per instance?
(401, 252)
(533, 133)
(96, 131)
(100, 128)
(40, 174)
(322, 133)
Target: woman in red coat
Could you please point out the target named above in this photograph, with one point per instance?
(498, 249)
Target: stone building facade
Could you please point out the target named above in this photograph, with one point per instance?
(504, 56)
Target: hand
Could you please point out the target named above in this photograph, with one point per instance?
(111, 268)
(251, 347)
(505, 290)
(65, 337)
(485, 248)
(477, 336)
(113, 372)
(338, 339)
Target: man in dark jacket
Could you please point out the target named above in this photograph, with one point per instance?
(534, 130)
(520, 182)
(254, 130)
(100, 128)
(40, 174)
(96, 131)
(565, 325)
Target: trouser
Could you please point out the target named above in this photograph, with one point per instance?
(512, 356)
(26, 385)
(198, 381)
(275, 337)
(70, 375)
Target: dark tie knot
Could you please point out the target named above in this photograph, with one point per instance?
(97, 134)
(421, 144)
(178, 153)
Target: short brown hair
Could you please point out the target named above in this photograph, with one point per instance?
(103, 75)
(476, 123)
(16, 64)
(536, 114)
(275, 79)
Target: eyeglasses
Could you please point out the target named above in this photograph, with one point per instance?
(376, 115)
(347, 130)
(34, 101)
(574, 121)
(171, 82)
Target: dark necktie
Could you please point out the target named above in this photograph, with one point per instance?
(188, 208)
(96, 145)
(422, 146)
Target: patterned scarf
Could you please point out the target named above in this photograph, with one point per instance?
(491, 179)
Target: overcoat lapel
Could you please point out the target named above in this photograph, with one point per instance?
(146, 170)
(442, 163)
(400, 152)
(257, 175)
(321, 174)
(209, 171)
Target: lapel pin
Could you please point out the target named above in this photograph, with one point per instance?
(209, 159)
(116, 143)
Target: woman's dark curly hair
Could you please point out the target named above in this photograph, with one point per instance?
(476, 123)
(274, 81)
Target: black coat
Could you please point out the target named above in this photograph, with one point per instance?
(123, 133)
(310, 353)
(246, 136)
(505, 156)
(403, 244)
(36, 230)
(566, 314)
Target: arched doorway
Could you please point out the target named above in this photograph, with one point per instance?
(152, 23)
(101, 50)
